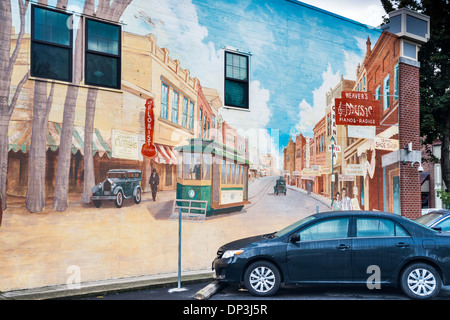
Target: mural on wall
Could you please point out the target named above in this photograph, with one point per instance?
(96, 95)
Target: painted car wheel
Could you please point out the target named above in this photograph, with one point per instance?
(119, 199)
(137, 198)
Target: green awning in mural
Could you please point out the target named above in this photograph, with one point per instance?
(19, 135)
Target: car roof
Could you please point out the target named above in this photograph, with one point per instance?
(357, 213)
(124, 170)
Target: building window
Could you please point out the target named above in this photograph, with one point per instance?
(396, 83)
(102, 66)
(164, 100)
(175, 107)
(51, 44)
(378, 93)
(236, 80)
(191, 116)
(386, 93)
(185, 112)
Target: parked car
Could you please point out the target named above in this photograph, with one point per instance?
(438, 219)
(119, 184)
(340, 248)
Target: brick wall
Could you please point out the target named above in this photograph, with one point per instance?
(409, 131)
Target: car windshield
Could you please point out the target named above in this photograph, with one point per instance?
(293, 226)
(115, 174)
(425, 219)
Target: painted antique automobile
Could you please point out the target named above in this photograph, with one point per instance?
(280, 186)
(119, 184)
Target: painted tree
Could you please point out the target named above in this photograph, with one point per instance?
(434, 57)
(7, 61)
(112, 11)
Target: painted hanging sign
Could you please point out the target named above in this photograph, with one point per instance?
(148, 148)
(357, 109)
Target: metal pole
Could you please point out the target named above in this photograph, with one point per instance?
(179, 249)
(332, 173)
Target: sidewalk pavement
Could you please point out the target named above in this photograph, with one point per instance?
(324, 200)
(103, 287)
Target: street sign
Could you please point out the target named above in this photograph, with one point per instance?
(336, 148)
(358, 109)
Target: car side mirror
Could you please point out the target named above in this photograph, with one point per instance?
(437, 228)
(295, 238)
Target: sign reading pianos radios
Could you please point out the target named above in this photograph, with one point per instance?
(126, 145)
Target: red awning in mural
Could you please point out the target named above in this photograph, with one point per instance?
(166, 154)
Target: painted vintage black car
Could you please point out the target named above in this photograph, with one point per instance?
(119, 184)
(347, 247)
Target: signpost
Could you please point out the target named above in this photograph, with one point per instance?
(333, 142)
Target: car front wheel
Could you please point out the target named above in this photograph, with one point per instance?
(119, 199)
(137, 198)
(420, 281)
(262, 278)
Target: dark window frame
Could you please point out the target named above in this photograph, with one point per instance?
(245, 82)
(34, 41)
(103, 54)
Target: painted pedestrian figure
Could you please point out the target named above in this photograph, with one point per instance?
(346, 203)
(154, 182)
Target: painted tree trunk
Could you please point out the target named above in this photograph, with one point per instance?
(35, 199)
(89, 175)
(4, 125)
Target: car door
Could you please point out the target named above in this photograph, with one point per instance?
(381, 243)
(323, 253)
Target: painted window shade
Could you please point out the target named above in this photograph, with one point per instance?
(164, 100)
(185, 112)
(175, 107)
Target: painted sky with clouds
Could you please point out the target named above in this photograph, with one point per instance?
(298, 52)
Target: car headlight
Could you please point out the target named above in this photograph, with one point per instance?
(231, 253)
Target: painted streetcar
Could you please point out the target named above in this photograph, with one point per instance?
(212, 172)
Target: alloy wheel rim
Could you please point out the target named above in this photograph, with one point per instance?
(421, 282)
(262, 279)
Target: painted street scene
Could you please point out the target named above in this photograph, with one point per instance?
(264, 144)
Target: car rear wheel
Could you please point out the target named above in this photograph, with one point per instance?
(262, 278)
(137, 197)
(119, 199)
(420, 281)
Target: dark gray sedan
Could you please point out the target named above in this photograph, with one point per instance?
(353, 247)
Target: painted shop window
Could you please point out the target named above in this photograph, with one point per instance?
(164, 100)
(191, 116)
(51, 44)
(386, 93)
(175, 107)
(378, 93)
(103, 59)
(236, 80)
(185, 112)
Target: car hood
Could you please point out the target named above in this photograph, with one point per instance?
(242, 243)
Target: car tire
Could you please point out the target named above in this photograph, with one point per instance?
(119, 199)
(420, 281)
(262, 278)
(97, 203)
(138, 196)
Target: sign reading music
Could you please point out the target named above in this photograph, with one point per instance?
(357, 109)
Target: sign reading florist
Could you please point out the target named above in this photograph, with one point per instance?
(357, 109)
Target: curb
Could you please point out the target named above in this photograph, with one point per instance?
(98, 288)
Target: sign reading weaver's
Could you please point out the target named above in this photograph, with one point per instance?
(357, 109)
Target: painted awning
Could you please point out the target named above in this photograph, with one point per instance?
(19, 135)
(166, 154)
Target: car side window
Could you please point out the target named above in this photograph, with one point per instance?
(373, 227)
(326, 230)
(444, 224)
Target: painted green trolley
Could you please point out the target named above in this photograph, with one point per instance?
(213, 172)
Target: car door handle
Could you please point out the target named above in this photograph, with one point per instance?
(402, 245)
(343, 247)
